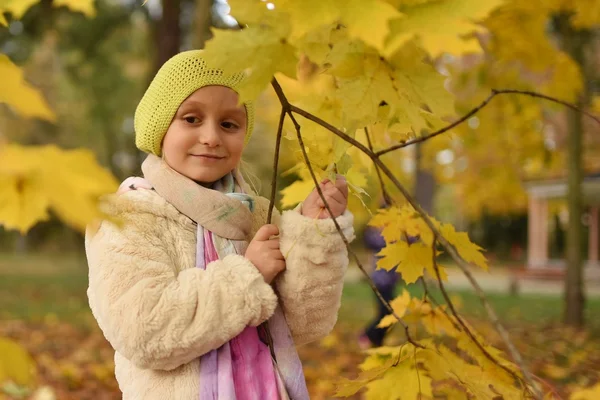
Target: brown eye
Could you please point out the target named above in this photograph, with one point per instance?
(191, 120)
(229, 125)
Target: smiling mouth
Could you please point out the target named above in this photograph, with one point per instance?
(207, 156)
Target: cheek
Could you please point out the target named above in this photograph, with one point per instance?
(174, 143)
(235, 146)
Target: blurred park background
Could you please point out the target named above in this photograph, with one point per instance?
(504, 177)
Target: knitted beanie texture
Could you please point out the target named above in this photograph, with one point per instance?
(176, 80)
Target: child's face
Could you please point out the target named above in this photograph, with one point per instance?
(206, 137)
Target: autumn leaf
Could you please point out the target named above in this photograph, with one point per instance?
(29, 189)
(369, 20)
(260, 51)
(440, 26)
(17, 8)
(19, 94)
(402, 381)
(400, 306)
(468, 250)
(84, 6)
(347, 387)
(16, 365)
(591, 393)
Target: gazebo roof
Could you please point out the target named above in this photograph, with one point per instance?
(557, 188)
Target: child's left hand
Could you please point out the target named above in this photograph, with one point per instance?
(336, 196)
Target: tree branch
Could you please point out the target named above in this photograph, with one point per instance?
(494, 93)
(430, 299)
(275, 166)
(464, 325)
(386, 196)
(462, 264)
(339, 229)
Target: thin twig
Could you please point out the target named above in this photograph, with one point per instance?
(286, 107)
(462, 264)
(438, 306)
(386, 195)
(461, 321)
(275, 166)
(418, 375)
(549, 98)
(339, 229)
(476, 109)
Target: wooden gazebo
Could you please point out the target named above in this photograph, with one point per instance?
(539, 194)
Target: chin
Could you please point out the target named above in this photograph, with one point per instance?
(204, 178)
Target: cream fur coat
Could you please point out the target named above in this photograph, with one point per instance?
(160, 313)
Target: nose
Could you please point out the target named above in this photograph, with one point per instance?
(208, 134)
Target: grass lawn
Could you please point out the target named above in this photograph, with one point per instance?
(36, 287)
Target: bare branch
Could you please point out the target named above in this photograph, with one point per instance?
(386, 195)
(275, 166)
(339, 229)
(549, 98)
(494, 93)
(464, 325)
(463, 265)
(430, 298)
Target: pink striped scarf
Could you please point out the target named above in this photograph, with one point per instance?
(243, 368)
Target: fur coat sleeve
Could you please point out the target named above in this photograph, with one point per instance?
(158, 314)
(310, 288)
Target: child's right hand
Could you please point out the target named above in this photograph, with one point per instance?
(264, 252)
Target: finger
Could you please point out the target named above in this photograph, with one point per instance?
(326, 185)
(342, 185)
(280, 265)
(332, 192)
(266, 231)
(277, 255)
(272, 243)
(339, 197)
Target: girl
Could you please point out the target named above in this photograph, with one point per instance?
(198, 297)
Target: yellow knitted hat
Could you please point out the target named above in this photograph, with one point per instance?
(176, 80)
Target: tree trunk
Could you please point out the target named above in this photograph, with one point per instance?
(202, 23)
(424, 182)
(574, 43)
(169, 32)
(574, 291)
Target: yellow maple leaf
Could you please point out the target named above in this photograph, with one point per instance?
(402, 381)
(369, 20)
(259, 50)
(16, 364)
(19, 94)
(591, 393)
(308, 15)
(410, 259)
(17, 7)
(482, 383)
(400, 306)
(84, 6)
(71, 188)
(251, 11)
(347, 387)
(440, 26)
(468, 250)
